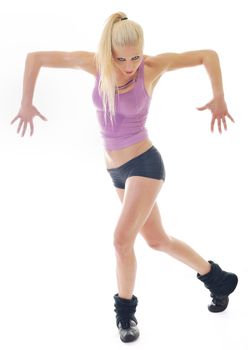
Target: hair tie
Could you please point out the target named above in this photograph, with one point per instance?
(122, 19)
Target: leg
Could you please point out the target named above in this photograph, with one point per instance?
(138, 201)
(155, 235)
(219, 282)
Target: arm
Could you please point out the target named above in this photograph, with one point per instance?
(169, 61)
(32, 68)
(54, 59)
(212, 65)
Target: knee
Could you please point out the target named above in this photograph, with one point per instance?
(123, 247)
(161, 244)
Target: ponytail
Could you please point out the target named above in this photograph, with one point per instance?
(116, 33)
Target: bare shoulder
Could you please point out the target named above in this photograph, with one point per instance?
(84, 60)
(87, 61)
(149, 62)
(151, 72)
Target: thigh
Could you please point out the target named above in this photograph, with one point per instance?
(152, 230)
(138, 200)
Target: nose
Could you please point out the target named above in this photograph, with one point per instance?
(129, 66)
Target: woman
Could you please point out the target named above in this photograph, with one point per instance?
(124, 83)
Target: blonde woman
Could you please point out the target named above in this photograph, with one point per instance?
(125, 79)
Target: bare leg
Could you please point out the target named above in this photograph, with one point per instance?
(140, 196)
(126, 267)
(155, 235)
(183, 252)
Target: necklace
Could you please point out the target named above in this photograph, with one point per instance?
(127, 84)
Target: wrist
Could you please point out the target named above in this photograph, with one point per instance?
(26, 103)
(219, 94)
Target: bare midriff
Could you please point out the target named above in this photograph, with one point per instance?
(116, 158)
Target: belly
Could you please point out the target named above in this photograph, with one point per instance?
(115, 159)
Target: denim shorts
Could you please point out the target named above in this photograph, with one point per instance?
(148, 164)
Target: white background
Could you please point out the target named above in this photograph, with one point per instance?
(57, 202)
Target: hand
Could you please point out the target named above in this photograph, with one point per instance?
(26, 115)
(219, 111)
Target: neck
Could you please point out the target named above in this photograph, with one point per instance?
(126, 83)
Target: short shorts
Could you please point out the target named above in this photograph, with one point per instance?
(148, 164)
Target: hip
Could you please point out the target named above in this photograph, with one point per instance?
(114, 159)
(147, 164)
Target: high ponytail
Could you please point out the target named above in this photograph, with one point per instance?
(116, 33)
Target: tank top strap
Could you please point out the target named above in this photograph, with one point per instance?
(140, 78)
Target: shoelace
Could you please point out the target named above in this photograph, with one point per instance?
(125, 323)
(219, 300)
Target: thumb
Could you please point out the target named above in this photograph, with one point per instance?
(42, 116)
(201, 108)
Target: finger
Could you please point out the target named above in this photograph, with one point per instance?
(224, 122)
(212, 124)
(201, 108)
(20, 125)
(31, 127)
(42, 117)
(219, 125)
(24, 128)
(14, 119)
(230, 117)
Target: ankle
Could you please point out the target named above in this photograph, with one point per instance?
(125, 296)
(206, 268)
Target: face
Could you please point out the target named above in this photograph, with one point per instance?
(127, 59)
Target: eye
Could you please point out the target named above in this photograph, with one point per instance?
(121, 59)
(136, 58)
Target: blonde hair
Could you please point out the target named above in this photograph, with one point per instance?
(116, 33)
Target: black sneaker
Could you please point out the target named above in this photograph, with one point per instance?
(221, 284)
(126, 321)
(128, 331)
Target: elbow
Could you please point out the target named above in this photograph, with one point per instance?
(33, 57)
(212, 53)
(209, 54)
(32, 54)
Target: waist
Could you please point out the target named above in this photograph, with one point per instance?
(114, 159)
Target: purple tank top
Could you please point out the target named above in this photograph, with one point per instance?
(131, 109)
